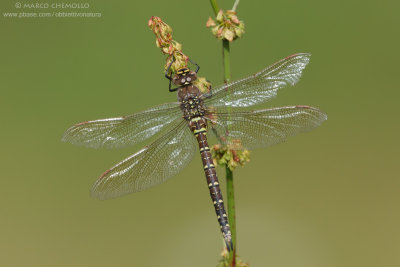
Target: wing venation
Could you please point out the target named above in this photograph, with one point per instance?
(262, 128)
(123, 131)
(150, 166)
(261, 87)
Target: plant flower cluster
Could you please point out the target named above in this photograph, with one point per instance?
(227, 26)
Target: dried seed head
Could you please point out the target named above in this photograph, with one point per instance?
(231, 155)
(173, 49)
(227, 26)
(210, 22)
(203, 84)
(164, 41)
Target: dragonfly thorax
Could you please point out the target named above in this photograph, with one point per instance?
(191, 102)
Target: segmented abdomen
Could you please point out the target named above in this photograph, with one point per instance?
(199, 128)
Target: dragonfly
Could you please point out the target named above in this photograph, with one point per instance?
(183, 125)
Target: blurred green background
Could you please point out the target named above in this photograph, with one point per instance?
(326, 198)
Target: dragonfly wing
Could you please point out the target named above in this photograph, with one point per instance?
(262, 128)
(152, 165)
(261, 87)
(122, 131)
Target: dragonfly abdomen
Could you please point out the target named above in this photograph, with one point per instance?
(199, 128)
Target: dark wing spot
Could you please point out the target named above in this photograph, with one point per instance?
(291, 56)
(300, 106)
(81, 123)
(104, 174)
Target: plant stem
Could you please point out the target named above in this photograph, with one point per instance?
(235, 5)
(227, 61)
(229, 174)
(231, 214)
(215, 7)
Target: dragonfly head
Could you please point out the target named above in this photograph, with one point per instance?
(184, 77)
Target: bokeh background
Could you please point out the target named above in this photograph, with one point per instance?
(326, 198)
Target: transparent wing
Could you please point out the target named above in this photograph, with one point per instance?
(151, 166)
(266, 127)
(260, 87)
(122, 131)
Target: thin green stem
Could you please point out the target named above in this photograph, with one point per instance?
(215, 7)
(235, 5)
(227, 60)
(229, 174)
(231, 214)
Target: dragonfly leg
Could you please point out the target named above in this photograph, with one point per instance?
(171, 89)
(169, 77)
(194, 63)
